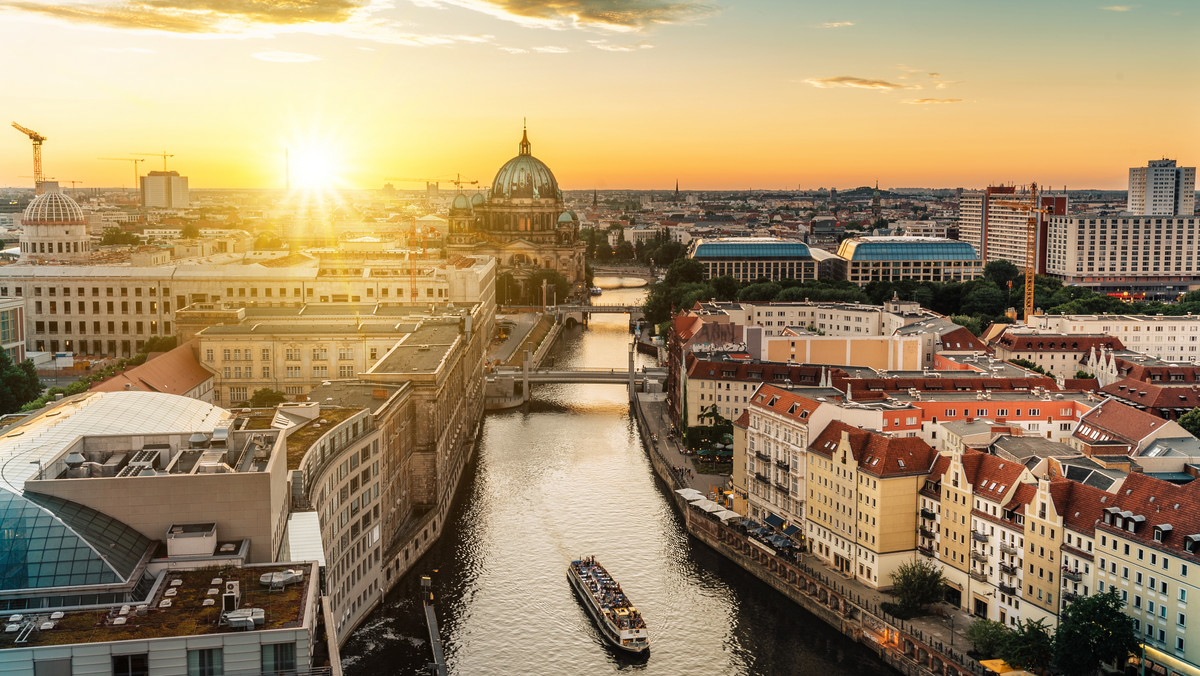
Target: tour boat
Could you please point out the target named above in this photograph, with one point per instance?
(620, 623)
(595, 291)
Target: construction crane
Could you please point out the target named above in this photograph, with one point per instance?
(1033, 207)
(135, 161)
(37, 139)
(164, 154)
(458, 181)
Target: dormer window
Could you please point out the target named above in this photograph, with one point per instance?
(1190, 543)
(1161, 531)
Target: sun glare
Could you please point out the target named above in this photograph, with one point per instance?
(314, 168)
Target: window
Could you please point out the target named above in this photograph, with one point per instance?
(131, 665)
(278, 658)
(55, 667)
(320, 371)
(206, 662)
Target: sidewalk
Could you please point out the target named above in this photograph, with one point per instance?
(660, 428)
(524, 323)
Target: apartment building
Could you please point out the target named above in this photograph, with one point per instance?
(1059, 354)
(1168, 338)
(1114, 428)
(1148, 548)
(834, 319)
(1161, 188)
(861, 516)
(988, 221)
(779, 428)
(729, 385)
(1158, 256)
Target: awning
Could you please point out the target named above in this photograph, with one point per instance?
(791, 530)
(690, 494)
(774, 521)
(726, 515)
(708, 506)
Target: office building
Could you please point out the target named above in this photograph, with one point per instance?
(1162, 189)
(989, 221)
(863, 260)
(747, 259)
(165, 190)
(1169, 338)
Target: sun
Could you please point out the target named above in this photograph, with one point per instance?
(314, 167)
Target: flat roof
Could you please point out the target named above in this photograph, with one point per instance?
(424, 350)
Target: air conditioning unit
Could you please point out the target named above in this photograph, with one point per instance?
(232, 596)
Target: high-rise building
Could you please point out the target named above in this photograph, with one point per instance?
(997, 230)
(165, 189)
(1155, 256)
(1162, 189)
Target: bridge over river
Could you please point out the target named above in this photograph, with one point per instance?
(508, 387)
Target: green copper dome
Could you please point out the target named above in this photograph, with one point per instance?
(524, 177)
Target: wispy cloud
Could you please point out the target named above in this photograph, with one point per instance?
(609, 47)
(551, 49)
(923, 102)
(286, 57)
(1118, 8)
(615, 15)
(127, 50)
(837, 24)
(355, 19)
(857, 83)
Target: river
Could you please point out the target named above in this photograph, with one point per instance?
(568, 477)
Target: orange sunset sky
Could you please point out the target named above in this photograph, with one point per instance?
(618, 93)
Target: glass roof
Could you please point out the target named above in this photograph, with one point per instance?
(906, 249)
(752, 249)
(50, 542)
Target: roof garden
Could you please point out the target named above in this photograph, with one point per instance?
(302, 439)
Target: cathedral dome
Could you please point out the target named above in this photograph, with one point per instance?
(460, 202)
(477, 199)
(53, 208)
(524, 176)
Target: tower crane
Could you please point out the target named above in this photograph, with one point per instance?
(1033, 207)
(135, 161)
(458, 180)
(164, 154)
(37, 155)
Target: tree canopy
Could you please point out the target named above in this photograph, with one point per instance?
(267, 398)
(1093, 630)
(917, 583)
(19, 383)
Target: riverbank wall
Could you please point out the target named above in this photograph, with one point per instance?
(905, 647)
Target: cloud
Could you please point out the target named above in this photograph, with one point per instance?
(354, 19)
(837, 24)
(609, 47)
(615, 15)
(285, 57)
(857, 83)
(127, 50)
(1118, 8)
(551, 49)
(922, 102)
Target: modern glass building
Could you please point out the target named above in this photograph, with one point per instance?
(926, 259)
(749, 258)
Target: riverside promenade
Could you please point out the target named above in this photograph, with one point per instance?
(925, 646)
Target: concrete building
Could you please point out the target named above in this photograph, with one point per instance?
(165, 189)
(175, 372)
(861, 514)
(1061, 355)
(1158, 256)
(729, 385)
(1162, 189)
(12, 328)
(999, 231)
(1168, 338)
(749, 258)
(863, 260)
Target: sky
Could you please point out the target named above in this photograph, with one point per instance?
(616, 93)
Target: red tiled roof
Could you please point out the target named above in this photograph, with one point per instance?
(743, 420)
(1135, 371)
(989, 475)
(784, 402)
(174, 372)
(876, 453)
(1078, 504)
(757, 372)
(960, 340)
(1112, 420)
(1021, 498)
(1153, 396)
(865, 385)
(1080, 384)
(1058, 343)
(1160, 503)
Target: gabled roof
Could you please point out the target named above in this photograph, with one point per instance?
(1078, 504)
(961, 340)
(173, 372)
(784, 402)
(1153, 396)
(743, 420)
(990, 476)
(1165, 506)
(875, 453)
(1057, 342)
(1114, 421)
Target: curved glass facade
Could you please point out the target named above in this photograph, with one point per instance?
(756, 250)
(46, 541)
(906, 249)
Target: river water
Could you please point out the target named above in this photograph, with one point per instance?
(564, 478)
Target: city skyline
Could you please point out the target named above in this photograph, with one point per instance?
(716, 95)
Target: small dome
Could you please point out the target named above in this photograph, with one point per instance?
(460, 202)
(525, 176)
(53, 208)
(477, 199)
(566, 217)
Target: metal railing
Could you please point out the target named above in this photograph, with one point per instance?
(928, 514)
(1008, 549)
(979, 537)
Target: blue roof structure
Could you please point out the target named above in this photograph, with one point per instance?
(906, 249)
(753, 248)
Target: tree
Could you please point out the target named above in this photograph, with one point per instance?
(1000, 273)
(267, 398)
(988, 637)
(1091, 631)
(968, 322)
(984, 299)
(1190, 421)
(19, 384)
(624, 251)
(684, 270)
(1030, 647)
(190, 231)
(917, 583)
(115, 236)
(557, 286)
(725, 287)
(1083, 375)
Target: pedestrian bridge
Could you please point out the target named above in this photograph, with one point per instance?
(597, 376)
(601, 308)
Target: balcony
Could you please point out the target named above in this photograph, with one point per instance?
(978, 576)
(1008, 549)
(762, 456)
(927, 514)
(1072, 575)
(762, 478)
(1007, 569)
(977, 555)
(979, 537)
(782, 464)
(782, 488)
(927, 551)
(926, 533)
(1071, 596)
(1007, 589)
